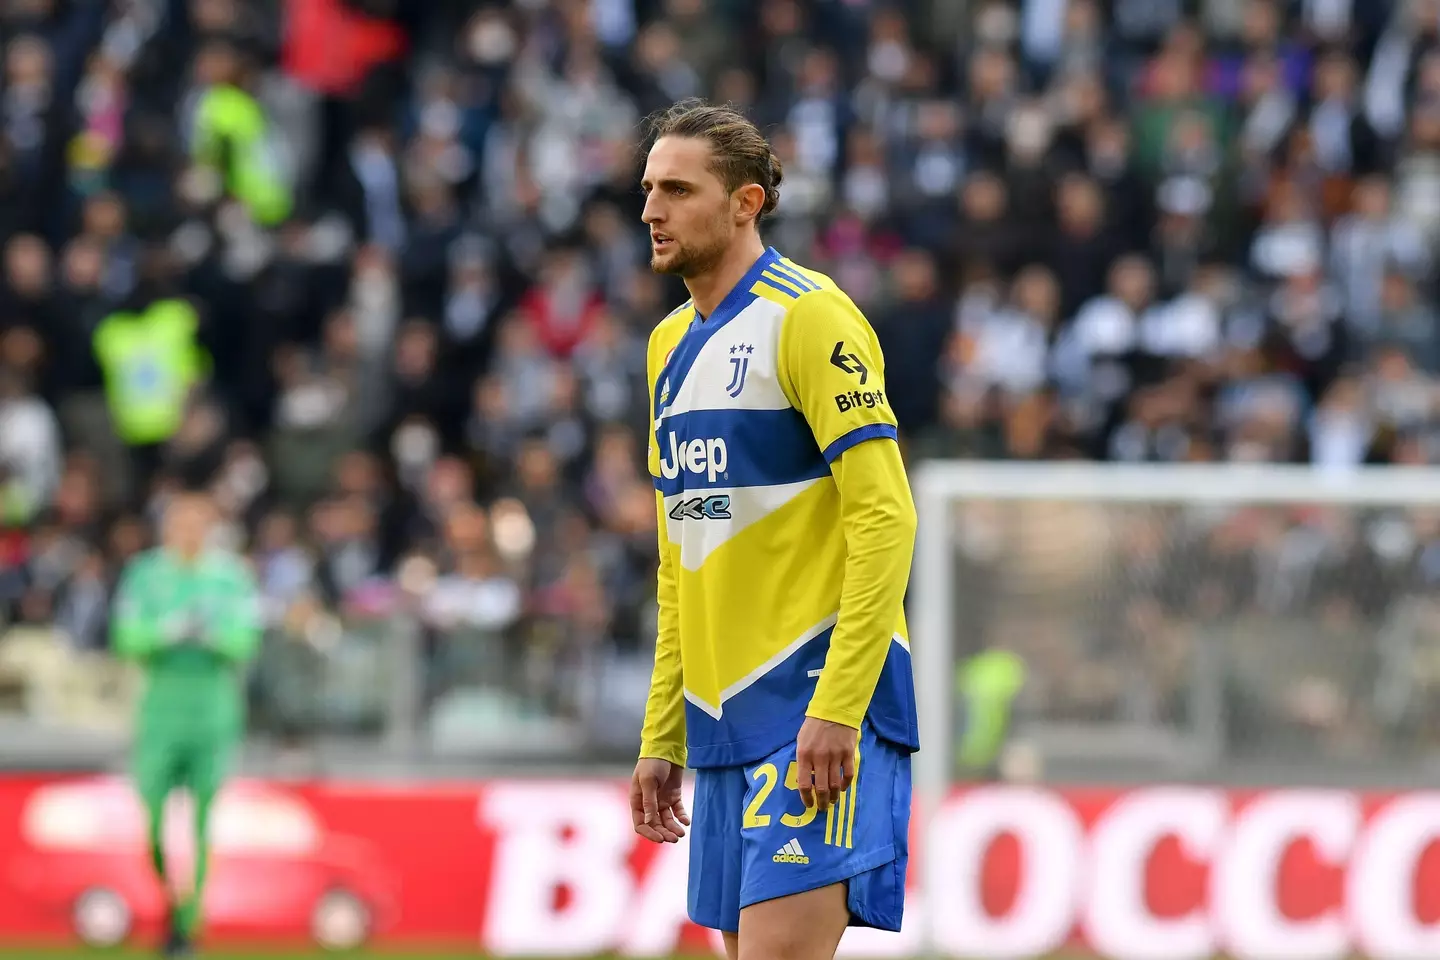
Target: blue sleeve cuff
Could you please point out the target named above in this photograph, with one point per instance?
(871, 431)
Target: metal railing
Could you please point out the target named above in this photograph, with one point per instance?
(384, 687)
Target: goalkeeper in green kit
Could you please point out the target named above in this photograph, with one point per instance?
(190, 616)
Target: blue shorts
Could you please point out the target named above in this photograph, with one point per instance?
(752, 839)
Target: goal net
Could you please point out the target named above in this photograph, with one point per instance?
(1233, 628)
(1186, 620)
(1230, 625)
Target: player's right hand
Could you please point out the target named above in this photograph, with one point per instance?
(656, 807)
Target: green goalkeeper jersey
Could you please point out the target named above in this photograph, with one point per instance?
(193, 627)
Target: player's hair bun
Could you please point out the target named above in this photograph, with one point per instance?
(772, 189)
(742, 156)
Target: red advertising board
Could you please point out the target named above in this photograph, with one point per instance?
(551, 868)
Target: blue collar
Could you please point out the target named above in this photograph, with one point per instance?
(739, 296)
(701, 329)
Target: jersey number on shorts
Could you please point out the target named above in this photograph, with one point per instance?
(839, 817)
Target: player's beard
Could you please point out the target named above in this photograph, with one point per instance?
(700, 258)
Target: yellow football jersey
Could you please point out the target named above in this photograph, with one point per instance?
(749, 408)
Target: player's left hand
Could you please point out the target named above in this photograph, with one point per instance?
(825, 759)
(656, 807)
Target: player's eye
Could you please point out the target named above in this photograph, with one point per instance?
(679, 191)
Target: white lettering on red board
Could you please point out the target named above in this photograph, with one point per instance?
(1044, 909)
(1383, 878)
(1100, 886)
(1245, 876)
(553, 837)
(1117, 919)
(660, 899)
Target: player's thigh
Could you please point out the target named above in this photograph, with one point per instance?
(157, 767)
(802, 926)
(208, 763)
(857, 845)
(715, 849)
(732, 945)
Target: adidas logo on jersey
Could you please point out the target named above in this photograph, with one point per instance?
(790, 853)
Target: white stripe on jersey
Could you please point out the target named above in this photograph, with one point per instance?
(755, 675)
(707, 384)
(747, 505)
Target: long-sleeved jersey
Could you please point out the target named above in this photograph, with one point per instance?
(782, 568)
(193, 627)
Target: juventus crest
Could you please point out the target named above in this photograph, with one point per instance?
(739, 366)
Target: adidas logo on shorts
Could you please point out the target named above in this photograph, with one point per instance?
(790, 853)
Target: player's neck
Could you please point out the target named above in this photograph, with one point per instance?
(709, 289)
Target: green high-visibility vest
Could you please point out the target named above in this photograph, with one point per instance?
(150, 360)
(987, 685)
(233, 136)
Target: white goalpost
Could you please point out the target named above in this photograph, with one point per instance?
(1077, 553)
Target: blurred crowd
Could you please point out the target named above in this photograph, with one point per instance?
(1303, 634)
(373, 271)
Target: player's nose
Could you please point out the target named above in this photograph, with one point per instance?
(654, 210)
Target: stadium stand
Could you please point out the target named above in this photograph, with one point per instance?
(374, 272)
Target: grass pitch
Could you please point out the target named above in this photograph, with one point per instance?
(136, 953)
(140, 953)
(133, 953)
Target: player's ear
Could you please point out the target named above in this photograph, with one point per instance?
(748, 200)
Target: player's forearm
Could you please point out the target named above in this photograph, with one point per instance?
(878, 516)
(236, 633)
(237, 643)
(135, 639)
(663, 735)
(134, 630)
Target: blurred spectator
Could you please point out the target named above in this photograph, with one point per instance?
(151, 361)
(30, 448)
(374, 274)
(231, 135)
